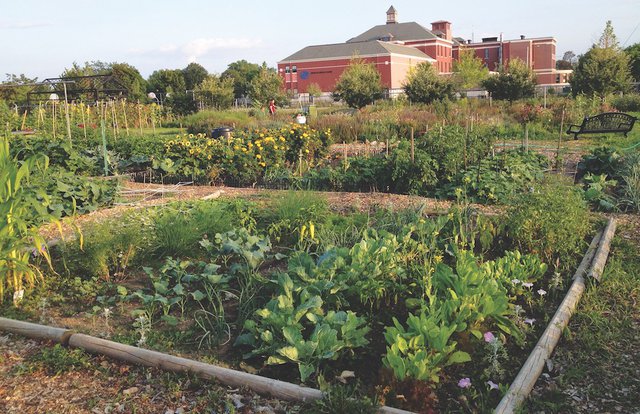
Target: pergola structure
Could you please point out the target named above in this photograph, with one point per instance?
(94, 87)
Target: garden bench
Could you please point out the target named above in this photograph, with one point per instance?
(602, 123)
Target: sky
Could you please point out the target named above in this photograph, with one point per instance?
(42, 38)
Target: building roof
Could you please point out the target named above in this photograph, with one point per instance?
(342, 50)
(398, 31)
(391, 10)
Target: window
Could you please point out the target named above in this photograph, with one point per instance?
(286, 69)
(294, 69)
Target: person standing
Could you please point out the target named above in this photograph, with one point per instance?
(272, 107)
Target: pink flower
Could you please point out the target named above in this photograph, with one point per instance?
(464, 383)
(492, 385)
(529, 321)
(489, 337)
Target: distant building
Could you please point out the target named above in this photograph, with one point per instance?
(394, 48)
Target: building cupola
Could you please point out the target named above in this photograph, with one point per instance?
(392, 16)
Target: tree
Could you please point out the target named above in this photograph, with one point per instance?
(604, 69)
(424, 85)
(567, 61)
(242, 73)
(125, 76)
(359, 85)
(215, 92)
(193, 75)
(514, 82)
(608, 39)
(17, 94)
(468, 70)
(633, 52)
(167, 81)
(266, 85)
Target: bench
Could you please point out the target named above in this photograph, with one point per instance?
(603, 123)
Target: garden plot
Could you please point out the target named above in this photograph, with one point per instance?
(415, 305)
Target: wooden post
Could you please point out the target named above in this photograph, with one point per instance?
(412, 147)
(140, 117)
(66, 111)
(54, 119)
(84, 122)
(24, 120)
(603, 251)
(558, 166)
(124, 112)
(32, 330)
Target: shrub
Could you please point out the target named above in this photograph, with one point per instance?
(359, 85)
(424, 85)
(551, 221)
(627, 103)
(515, 82)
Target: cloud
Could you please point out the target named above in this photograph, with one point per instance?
(201, 47)
(23, 25)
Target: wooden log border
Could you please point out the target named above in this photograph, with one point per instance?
(532, 368)
(131, 354)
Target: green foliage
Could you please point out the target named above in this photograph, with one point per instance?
(17, 94)
(266, 85)
(596, 191)
(194, 74)
(633, 52)
(242, 73)
(499, 178)
(423, 349)
(514, 82)
(343, 399)
(215, 92)
(626, 103)
(294, 328)
(359, 85)
(167, 81)
(20, 214)
(551, 221)
(603, 70)
(424, 85)
(57, 359)
(468, 70)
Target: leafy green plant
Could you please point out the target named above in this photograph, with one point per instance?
(423, 349)
(293, 328)
(596, 191)
(58, 359)
(343, 399)
(551, 221)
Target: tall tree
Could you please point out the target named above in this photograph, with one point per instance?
(167, 81)
(468, 70)
(514, 82)
(633, 52)
(424, 85)
(193, 75)
(265, 86)
(215, 92)
(242, 73)
(604, 69)
(359, 85)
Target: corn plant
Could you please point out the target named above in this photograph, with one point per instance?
(20, 212)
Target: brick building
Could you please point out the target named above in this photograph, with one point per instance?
(394, 48)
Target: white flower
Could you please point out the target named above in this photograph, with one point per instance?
(527, 284)
(492, 385)
(542, 292)
(515, 281)
(529, 321)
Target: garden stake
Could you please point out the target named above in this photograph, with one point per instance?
(140, 117)
(124, 111)
(104, 148)
(412, 147)
(84, 123)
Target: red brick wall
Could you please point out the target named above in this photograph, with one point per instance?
(325, 73)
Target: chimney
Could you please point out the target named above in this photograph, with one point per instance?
(444, 27)
(521, 37)
(392, 16)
